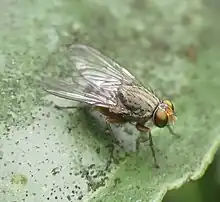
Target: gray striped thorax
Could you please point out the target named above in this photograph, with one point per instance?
(140, 101)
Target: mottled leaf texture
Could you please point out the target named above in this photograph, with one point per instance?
(50, 154)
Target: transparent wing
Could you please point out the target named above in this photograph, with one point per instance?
(99, 69)
(76, 92)
(95, 79)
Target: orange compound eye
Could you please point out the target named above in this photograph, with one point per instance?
(160, 118)
(169, 103)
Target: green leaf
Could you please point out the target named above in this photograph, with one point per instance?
(48, 154)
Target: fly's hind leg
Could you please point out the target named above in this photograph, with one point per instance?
(112, 120)
(141, 139)
(77, 108)
(66, 107)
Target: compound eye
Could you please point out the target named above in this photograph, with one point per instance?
(169, 103)
(160, 118)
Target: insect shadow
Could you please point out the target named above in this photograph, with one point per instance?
(103, 140)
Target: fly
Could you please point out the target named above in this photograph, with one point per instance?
(112, 90)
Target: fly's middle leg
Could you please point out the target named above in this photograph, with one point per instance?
(142, 139)
(113, 120)
(113, 150)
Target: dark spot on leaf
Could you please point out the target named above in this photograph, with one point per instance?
(69, 197)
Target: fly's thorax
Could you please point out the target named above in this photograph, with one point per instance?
(140, 101)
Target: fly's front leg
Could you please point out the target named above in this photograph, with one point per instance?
(140, 139)
(172, 132)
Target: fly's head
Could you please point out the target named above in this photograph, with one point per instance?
(164, 114)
